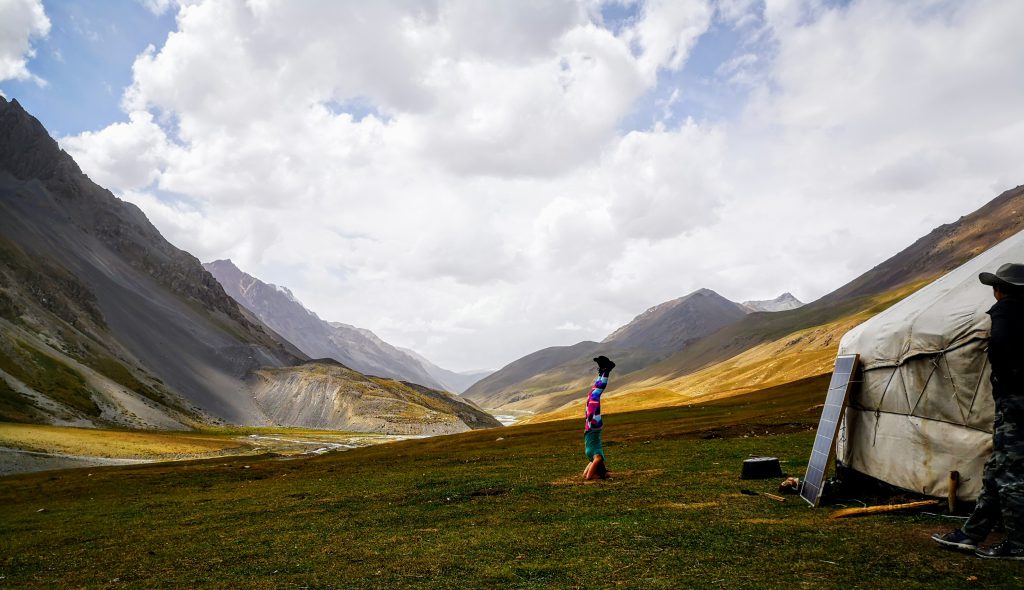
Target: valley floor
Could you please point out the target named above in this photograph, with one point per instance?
(28, 447)
(500, 508)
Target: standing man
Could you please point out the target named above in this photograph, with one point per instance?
(1002, 494)
(596, 469)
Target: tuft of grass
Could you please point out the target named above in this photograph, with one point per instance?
(49, 377)
(499, 508)
(14, 407)
(120, 374)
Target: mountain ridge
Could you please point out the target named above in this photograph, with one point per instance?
(155, 322)
(549, 377)
(783, 302)
(356, 348)
(454, 381)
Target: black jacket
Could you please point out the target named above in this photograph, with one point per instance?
(1006, 347)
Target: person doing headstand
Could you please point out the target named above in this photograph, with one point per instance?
(596, 469)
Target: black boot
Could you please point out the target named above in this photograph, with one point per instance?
(1005, 550)
(604, 365)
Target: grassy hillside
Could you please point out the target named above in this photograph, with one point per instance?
(483, 509)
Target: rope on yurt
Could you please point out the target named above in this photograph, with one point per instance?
(977, 388)
(878, 408)
(935, 365)
(956, 391)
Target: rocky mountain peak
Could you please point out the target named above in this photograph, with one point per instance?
(783, 302)
(669, 326)
(277, 307)
(226, 269)
(26, 149)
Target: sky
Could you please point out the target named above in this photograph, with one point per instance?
(480, 180)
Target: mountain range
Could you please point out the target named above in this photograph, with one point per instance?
(549, 378)
(450, 380)
(356, 348)
(104, 322)
(759, 349)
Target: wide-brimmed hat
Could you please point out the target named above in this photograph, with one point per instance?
(1008, 275)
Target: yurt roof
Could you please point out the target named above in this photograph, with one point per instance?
(941, 316)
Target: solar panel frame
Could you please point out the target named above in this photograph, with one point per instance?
(823, 451)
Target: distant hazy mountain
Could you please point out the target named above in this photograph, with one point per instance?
(670, 325)
(548, 378)
(354, 347)
(783, 302)
(452, 381)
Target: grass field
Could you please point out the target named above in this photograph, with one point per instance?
(501, 508)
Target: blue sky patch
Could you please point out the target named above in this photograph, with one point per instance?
(87, 62)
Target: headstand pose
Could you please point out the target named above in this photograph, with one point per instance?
(596, 469)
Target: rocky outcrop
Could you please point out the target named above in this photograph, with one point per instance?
(329, 395)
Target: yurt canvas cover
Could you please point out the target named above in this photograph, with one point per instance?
(924, 407)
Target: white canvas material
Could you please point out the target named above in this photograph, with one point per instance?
(924, 407)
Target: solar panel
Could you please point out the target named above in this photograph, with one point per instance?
(824, 442)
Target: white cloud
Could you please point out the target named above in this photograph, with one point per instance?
(20, 22)
(666, 183)
(128, 156)
(667, 32)
(455, 176)
(157, 7)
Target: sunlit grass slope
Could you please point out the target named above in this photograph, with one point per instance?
(122, 444)
(149, 445)
(484, 509)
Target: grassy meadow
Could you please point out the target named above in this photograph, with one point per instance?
(500, 508)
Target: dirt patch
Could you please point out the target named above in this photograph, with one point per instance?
(488, 492)
(614, 477)
(687, 506)
(748, 430)
(763, 521)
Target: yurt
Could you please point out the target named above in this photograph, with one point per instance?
(922, 406)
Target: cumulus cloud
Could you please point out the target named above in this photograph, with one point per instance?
(128, 156)
(666, 183)
(456, 175)
(21, 21)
